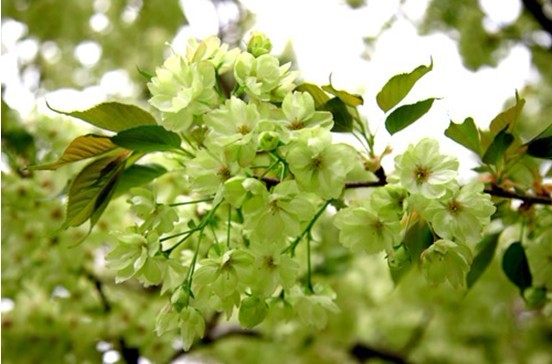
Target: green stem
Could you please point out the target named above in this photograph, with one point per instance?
(191, 202)
(229, 226)
(309, 273)
(270, 168)
(293, 245)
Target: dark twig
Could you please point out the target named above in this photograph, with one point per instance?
(527, 199)
(537, 11)
(363, 352)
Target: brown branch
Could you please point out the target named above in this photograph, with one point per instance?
(527, 199)
(363, 352)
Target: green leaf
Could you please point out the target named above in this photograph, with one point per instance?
(486, 248)
(138, 175)
(343, 121)
(498, 147)
(83, 147)
(507, 118)
(541, 146)
(113, 116)
(515, 266)
(319, 96)
(347, 98)
(465, 134)
(147, 75)
(405, 115)
(92, 189)
(147, 138)
(399, 86)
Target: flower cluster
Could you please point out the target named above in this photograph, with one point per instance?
(424, 187)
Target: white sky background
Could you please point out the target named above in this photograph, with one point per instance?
(327, 37)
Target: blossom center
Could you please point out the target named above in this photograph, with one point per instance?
(454, 207)
(421, 174)
(243, 129)
(317, 162)
(296, 125)
(224, 173)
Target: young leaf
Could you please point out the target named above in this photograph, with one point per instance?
(507, 118)
(343, 121)
(496, 150)
(465, 134)
(515, 266)
(541, 146)
(83, 147)
(486, 248)
(147, 75)
(113, 116)
(405, 115)
(147, 138)
(91, 189)
(137, 175)
(347, 98)
(418, 237)
(399, 86)
(319, 96)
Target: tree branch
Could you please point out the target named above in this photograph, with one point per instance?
(527, 199)
(536, 10)
(363, 352)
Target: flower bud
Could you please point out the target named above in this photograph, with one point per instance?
(259, 44)
(269, 140)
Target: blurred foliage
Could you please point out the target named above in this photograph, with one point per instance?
(134, 37)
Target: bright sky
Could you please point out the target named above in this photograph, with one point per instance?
(327, 37)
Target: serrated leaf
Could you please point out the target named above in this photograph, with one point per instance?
(465, 134)
(347, 98)
(138, 175)
(541, 146)
(83, 147)
(498, 147)
(405, 115)
(507, 118)
(343, 120)
(113, 116)
(486, 248)
(515, 266)
(319, 96)
(92, 188)
(147, 138)
(399, 86)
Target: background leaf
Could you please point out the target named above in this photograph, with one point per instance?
(508, 117)
(347, 98)
(147, 138)
(541, 146)
(515, 266)
(465, 134)
(405, 115)
(499, 145)
(91, 189)
(399, 86)
(343, 121)
(484, 257)
(83, 147)
(113, 116)
(137, 175)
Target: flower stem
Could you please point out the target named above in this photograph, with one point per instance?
(292, 246)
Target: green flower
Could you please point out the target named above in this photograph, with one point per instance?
(263, 78)
(364, 229)
(461, 214)
(389, 198)
(446, 260)
(208, 171)
(278, 214)
(259, 44)
(318, 165)
(210, 49)
(299, 111)
(158, 217)
(313, 308)
(422, 169)
(270, 269)
(181, 90)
